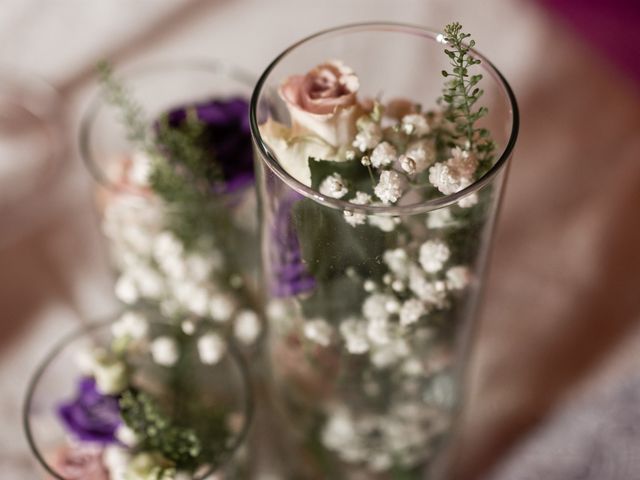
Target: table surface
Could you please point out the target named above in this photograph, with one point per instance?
(559, 320)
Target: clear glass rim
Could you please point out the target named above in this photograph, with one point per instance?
(94, 326)
(270, 158)
(96, 103)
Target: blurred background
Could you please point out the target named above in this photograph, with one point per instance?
(554, 387)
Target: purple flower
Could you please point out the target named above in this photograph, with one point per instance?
(288, 271)
(91, 416)
(227, 136)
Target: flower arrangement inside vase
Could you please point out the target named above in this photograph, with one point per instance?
(180, 211)
(373, 232)
(151, 402)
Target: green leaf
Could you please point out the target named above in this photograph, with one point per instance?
(157, 432)
(330, 246)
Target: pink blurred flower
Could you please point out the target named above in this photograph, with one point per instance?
(77, 462)
(324, 102)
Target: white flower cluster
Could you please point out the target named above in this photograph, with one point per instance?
(369, 134)
(403, 435)
(357, 218)
(412, 289)
(334, 186)
(389, 188)
(155, 266)
(455, 174)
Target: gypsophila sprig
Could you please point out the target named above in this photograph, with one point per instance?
(116, 94)
(461, 93)
(160, 434)
(181, 169)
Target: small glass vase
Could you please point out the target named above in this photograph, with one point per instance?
(74, 412)
(371, 307)
(198, 258)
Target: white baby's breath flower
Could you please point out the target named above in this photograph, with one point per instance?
(339, 431)
(132, 325)
(369, 285)
(126, 436)
(333, 186)
(110, 375)
(354, 333)
(422, 152)
(148, 281)
(85, 360)
(174, 266)
(247, 326)
(433, 294)
(383, 222)
(368, 136)
(440, 218)
(411, 311)
(379, 331)
(357, 218)
(398, 286)
(167, 245)
(374, 306)
(389, 187)
(456, 173)
(433, 255)
(397, 261)
(126, 290)
(198, 301)
(392, 306)
(164, 351)
(412, 367)
(390, 353)
(116, 458)
(168, 252)
(458, 277)
(211, 348)
(383, 155)
(137, 237)
(199, 267)
(468, 201)
(318, 331)
(415, 124)
(463, 162)
(141, 167)
(277, 310)
(188, 327)
(445, 179)
(221, 307)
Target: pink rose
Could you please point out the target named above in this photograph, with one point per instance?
(324, 102)
(77, 462)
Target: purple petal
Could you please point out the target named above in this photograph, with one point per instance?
(91, 416)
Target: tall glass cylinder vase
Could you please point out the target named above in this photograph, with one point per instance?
(377, 216)
(170, 149)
